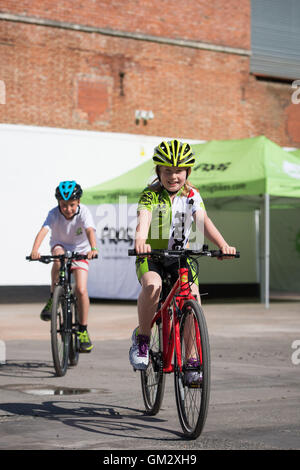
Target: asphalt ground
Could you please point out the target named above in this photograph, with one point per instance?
(97, 405)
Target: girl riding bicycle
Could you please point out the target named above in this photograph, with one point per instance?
(166, 210)
(72, 229)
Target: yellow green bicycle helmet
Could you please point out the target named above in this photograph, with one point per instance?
(174, 153)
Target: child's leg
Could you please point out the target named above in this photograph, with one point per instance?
(148, 300)
(46, 312)
(189, 329)
(195, 292)
(81, 277)
(57, 250)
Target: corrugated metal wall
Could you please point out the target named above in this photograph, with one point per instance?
(275, 38)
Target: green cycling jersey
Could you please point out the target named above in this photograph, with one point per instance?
(171, 221)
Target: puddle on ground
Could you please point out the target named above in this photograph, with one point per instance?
(51, 390)
(59, 391)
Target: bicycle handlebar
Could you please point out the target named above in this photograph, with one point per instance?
(68, 255)
(178, 253)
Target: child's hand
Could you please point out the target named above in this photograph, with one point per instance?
(227, 250)
(35, 254)
(142, 247)
(92, 254)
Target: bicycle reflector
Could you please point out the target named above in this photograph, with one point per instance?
(66, 189)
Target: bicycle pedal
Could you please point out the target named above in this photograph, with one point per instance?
(199, 385)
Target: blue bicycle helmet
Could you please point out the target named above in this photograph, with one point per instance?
(68, 191)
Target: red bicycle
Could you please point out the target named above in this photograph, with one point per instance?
(179, 344)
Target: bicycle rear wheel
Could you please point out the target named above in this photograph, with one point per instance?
(153, 378)
(74, 340)
(60, 336)
(192, 398)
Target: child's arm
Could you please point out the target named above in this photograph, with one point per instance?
(37, 242)
(203, 222)
(142, 229)
(91, 236)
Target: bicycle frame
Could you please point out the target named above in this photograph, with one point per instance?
(64, 273)
(179, 293)
(65, 282)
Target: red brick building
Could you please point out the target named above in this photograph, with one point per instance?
(87, 64)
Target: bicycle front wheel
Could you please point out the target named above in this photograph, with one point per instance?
(74, 340)
(192, 383)
(153, 378)
(60, 336)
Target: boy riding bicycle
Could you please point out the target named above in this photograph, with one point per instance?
(72, 229)
(166, 211)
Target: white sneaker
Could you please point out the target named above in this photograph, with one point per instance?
(139, 351)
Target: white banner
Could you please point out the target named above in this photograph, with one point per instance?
(113, 275)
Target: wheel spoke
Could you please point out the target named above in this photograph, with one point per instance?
(193, 383)
(152, 378)
(74, 340)
(60, 338)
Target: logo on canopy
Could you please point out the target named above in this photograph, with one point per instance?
(291, 169)
(213, 166)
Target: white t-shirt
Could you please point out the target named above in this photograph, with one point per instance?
(70, 233)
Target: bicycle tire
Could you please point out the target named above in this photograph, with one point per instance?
(192, 400)
(60, 336)
(74, 340)
(153, 378)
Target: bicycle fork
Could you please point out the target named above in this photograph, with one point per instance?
(68, 313)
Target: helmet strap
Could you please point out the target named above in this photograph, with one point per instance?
(188, 170)
(78, 211)
(171, 193)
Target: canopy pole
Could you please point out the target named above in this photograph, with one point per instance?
(257, 225)
(267, 250)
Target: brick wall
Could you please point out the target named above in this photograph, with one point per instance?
(72, 79)
(216, 21)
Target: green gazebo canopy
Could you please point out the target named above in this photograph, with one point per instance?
(233, 173)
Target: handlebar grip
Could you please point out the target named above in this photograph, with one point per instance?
(35, 259)
(153, 252)
(42, 259)
(219, 254)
